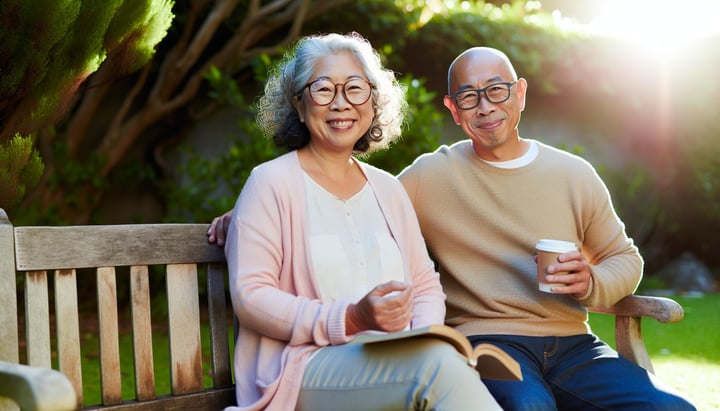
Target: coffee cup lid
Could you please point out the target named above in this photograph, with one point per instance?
(555, 246)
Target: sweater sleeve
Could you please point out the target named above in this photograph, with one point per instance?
(615, 261)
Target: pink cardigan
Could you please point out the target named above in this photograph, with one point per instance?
(275, 298)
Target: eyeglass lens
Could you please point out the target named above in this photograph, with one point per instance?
(494, 93)
(356, 91)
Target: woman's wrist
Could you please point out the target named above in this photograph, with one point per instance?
(352, 325)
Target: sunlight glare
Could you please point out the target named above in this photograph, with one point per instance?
(659, 25)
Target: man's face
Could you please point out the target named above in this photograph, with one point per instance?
(491, 126)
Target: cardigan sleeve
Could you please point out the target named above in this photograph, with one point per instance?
(270, 287)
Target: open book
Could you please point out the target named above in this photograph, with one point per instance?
(490, 361)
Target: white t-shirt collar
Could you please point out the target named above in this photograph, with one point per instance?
(527, 158)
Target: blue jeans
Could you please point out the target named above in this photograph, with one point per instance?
(576, 373)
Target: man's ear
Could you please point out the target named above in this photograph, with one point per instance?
(448, 102)
(521, 92)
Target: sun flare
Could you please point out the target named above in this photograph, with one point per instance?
(659, 25)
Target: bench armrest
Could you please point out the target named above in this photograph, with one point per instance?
(628, 316)
(36, 389)
(662, 309)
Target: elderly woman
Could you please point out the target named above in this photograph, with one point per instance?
(322, 246)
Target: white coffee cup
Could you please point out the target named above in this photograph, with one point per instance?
(548, 252)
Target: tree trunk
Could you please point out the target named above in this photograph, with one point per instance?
(176, 80)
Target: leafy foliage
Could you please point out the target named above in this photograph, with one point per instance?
(48, 49)
(209, 186)
(22, 169)
(423, 132)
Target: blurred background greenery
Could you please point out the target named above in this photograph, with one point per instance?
(121, 111)
(128, 111)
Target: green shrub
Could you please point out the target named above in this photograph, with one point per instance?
(21, 170)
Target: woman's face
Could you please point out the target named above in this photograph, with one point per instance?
(338, 125)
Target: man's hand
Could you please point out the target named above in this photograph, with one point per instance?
(578, 278)
(387, 307)
(219, 228)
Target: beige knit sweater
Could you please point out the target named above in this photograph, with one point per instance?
(481, 224)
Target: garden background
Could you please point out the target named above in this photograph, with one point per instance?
(141, 111)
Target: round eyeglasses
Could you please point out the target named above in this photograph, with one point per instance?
(494, 93)
(323, 91)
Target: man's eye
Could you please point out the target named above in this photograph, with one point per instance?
(466, 96)
(496, 89)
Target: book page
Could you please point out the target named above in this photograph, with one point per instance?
(490, 361)
(495, 364)
(449, 334)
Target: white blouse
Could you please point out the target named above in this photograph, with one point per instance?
(351, 247)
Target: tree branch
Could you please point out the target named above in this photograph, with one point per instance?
(166, 97)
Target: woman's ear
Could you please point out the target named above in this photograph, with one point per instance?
(299, 107)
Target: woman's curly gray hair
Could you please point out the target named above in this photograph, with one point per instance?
(278, 118)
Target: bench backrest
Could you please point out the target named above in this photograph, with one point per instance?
(49, 262)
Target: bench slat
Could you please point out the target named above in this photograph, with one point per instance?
(207, 400)
(46, 248)
(37, 319)
(68, 328)
(184, 328)
(217, 312)
(9, 337)
(142, 333)
(109, 344)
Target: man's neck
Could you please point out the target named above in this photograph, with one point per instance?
(509, 151)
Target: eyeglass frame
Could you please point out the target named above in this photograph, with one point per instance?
(483, 92)
(307, 86)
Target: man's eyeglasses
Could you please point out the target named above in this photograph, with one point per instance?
(494, 93)
(323, 91)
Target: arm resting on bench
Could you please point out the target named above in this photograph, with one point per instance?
(36, 389)
(628, 316)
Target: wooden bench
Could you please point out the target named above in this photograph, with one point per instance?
(30, 256)
(106, 255)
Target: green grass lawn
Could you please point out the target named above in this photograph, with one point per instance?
(161, 361)
(686, 355)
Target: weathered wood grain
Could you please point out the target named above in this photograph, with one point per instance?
(9, 337)
(45, 248)
(110, 376)
(142, 333)
(184, 329)
(37, 319)
(68, 328)
(167, 253)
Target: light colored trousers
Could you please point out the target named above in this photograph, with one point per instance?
(420, 374)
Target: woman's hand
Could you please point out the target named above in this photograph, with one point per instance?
(387, 307)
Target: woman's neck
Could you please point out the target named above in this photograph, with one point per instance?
(336, 173)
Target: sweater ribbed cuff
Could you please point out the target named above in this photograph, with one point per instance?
(336, 324)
